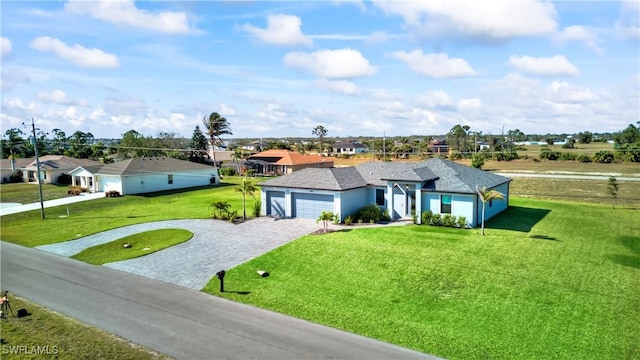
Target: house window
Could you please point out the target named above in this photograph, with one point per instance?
(490, 203)
(170, 178)
(380, 197)
(445, 204)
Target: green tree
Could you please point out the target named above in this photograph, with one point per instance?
(585, 137)
(325, 217)
(246, 188)
(487, 195)
(216, 126)
(320, 132)
(198, 147)
(612, 188)
(477, 160)
(630, 135)
(59, 143)
(13, 144)
(80, 145)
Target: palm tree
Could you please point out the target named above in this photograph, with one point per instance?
(487, 195)
(246, 188)
(216, 126)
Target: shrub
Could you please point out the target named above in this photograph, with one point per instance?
(549, 154)
(348, 220)
(436, 220)
(112, 193)
(16, 177)
(506, 156)
(448, 220)
(462, 222)
(228, 171)
(455, 156)
(477, 160)
(64, 179)
(74, 190)
(567, 156)
(605, 157)
(369, 213)
(426, 217)
(583, 158)
(257, 208)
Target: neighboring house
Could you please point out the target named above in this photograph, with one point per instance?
(144, 175)
(349, 148)
(280, 162)
(439, 146)
(436, 185)
(221, 156)
(253, 146)
(10, 166)
(52, 167)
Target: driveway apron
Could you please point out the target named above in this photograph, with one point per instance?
(216, 245)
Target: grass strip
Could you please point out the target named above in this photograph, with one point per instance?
(48, 334)
(140, 244)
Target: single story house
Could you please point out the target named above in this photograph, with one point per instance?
(439, 146)
(349, 148)
(52, 167)
(280, 162)
(401, 188)
(144, 175)
(10, 166)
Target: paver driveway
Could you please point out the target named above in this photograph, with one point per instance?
(216, 245)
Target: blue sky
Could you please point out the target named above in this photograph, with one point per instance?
(359, 68)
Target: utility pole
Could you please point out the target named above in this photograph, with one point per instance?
(35, 147)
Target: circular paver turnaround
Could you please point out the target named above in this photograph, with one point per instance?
(216, 245)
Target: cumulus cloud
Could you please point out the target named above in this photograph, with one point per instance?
(557, 65)
(564, 92)
(5, 47)
(281, 30)
(125, 13)
(468, 104)
(77, 54)
(338, 86)
(438, 65)
(489, 20)
(226, 110)
(60, 97)
(13, 77)
(584, 34)
(342, 63)
(437, 99)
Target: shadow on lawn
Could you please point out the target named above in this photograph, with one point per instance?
(518, 218)
(184, 190)
(633, 244)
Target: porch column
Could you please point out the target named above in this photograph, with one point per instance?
(390, 200)
(419, 203)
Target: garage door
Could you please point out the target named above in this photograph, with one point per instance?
(310, 206)
(276, 207)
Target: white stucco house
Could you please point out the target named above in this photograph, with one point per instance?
(144, 175)
(436, 185)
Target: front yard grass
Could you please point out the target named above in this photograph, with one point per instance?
(90, 217)
(141, 244)
(25, 193)
(551, 280)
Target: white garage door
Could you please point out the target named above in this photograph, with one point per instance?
(310, 206)
(276, 206)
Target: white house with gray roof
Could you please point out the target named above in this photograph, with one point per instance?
(436, 185)
(145, 175)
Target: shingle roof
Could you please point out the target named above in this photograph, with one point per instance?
(153, 164)
(437, 175)
(60, 162)
(336, 179)
(288, 157)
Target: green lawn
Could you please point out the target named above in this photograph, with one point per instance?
(141, 244)
(25, 193)
(551, 280)
(94, 216)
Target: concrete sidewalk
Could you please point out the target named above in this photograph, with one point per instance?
(13, 208)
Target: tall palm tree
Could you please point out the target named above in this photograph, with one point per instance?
(216, 126)
(246, 188)
(487, 195)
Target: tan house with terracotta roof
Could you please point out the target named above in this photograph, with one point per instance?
(281, 162)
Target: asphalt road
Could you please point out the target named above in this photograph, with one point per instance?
(177, 321)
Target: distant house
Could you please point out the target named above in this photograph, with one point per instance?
(144, 175)
(280, 162)
(11, 166)
(439, 146)
(349, 148)
(253, 146)
(52, 167)
(401, 189)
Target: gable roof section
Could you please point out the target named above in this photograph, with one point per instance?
(288, 157)
(60, 162)
(335, 179)
(151, 165)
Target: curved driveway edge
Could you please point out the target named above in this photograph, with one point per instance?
(216, 245)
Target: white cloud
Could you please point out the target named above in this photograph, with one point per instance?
(281, 30)
(489, 20)
(339, 86)
(566, 93)
(226, 110)
(584, 34)
(358, 3)
(342, 63)
(557, 65)
(434, 65)
(13, 77)
(468, 104)
(60, 97)
(437, 99)
(5, 47)
(79, 55)
(125, 105)
(125, 13)
(628, 25)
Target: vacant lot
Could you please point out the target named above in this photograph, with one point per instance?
(550, 281)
